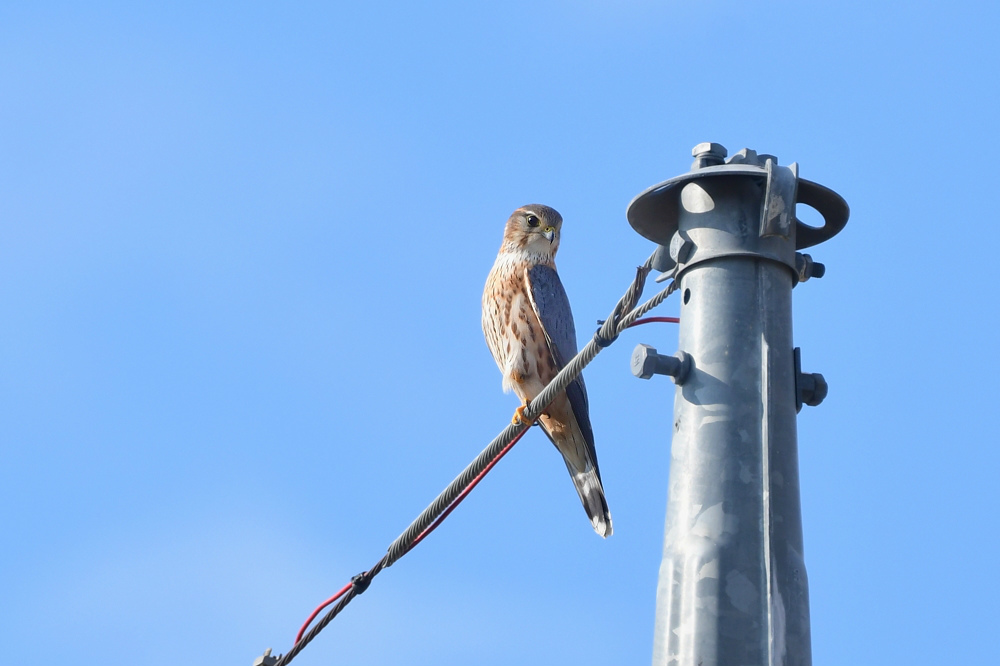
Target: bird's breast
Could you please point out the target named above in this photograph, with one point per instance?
(513, 332)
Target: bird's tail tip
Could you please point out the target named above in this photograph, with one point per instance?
(602, 525)
(588, 485)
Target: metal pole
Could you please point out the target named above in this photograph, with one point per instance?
(732, 587)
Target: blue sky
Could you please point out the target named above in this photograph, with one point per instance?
(242, 248)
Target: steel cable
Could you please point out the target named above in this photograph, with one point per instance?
(624, 315)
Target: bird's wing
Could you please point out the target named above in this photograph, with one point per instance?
(551, 305)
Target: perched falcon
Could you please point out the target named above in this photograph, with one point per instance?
(529, 329)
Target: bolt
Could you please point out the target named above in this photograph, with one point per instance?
(806, 268)
(810, 388)
(813, 388)
(708, 154)
(646, 363)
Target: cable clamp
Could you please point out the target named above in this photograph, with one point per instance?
(360, 582)
(603, 342)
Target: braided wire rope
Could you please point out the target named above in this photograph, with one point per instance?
(624, 315)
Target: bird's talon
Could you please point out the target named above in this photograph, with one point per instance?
(519, 416)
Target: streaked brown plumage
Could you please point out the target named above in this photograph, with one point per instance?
(529, 330)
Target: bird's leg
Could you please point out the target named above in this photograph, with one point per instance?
(518, 378)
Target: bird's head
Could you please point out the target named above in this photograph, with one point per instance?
(534, 229)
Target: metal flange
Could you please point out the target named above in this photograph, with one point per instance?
(654, 213)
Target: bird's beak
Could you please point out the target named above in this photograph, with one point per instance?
(549, 233)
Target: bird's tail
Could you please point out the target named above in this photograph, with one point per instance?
(588, 485)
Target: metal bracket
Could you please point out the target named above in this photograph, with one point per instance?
(777, 215)
(266, 659)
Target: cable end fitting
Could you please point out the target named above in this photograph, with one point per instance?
(266, 659)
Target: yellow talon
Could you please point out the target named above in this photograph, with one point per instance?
(519, 415)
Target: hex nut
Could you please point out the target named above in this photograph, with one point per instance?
(709, 148)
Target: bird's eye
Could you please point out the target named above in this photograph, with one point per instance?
(532, 221)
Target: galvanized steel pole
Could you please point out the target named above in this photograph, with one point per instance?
(732, 588)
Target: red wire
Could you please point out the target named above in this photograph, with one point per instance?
(323, 605)
(650, 320)
(468, 489)
(462, 495)
(430, 528)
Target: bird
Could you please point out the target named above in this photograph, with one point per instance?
(529, 330)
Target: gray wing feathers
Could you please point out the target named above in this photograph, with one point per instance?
(548, 298)
(552, 307)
